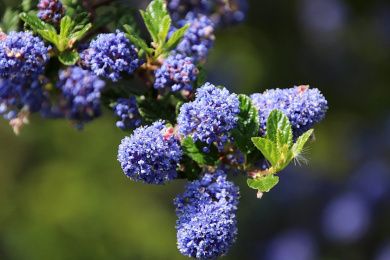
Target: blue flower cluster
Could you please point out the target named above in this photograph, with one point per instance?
(51, 11)
(206, 225)
(198, 39)
(222, 13)
(180, 8)
(151, 154)
(111, 54)
(303, 107)
(80, 95)
(22, 58)
(16, 94)
(126, 109)
(22, 54)
(176, 72)
(210, 117)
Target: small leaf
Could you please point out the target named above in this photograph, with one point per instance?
(50, 36)
(163, 29)
(195, 152)
(136, 39)
(154, 17)
(80, 33)
(69, 58)
(35, 23)
(111, 94)
(103, 19)
(10, 21)
(153, 110)
(263, 184)
(191, 168)
(298, 146)
(277, 120)
(178, 105)
(247, 125)
(201, 77)
(65, 27)
(79, 22)
(268, 149)
(176, 38)
(126, 15)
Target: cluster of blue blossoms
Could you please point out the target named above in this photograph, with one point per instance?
(206, 225)
(151, 154)
(222, 13)
(198, 40)
(22, 58)
(210, 117)
(303, 107)
(51, 11)
(176, 72)
(80, 101)
(126, 109)
(111, 54)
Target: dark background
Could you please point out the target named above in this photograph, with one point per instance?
(63, 195)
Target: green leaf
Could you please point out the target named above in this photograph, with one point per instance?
(247, 125)
(176, 38)
(110, 94)
(69, 58)
(103, 20)
(195, 152)
(298, 146)
(268, 149)
(191, 168)
(126, 15)
(136, 39)
(10, 21)
(79, 33)
(201, 77)
(263, 184)
(154, 17)
(163, 29)
(178, 105)
(79, 22)
(153, 110)
(50, 36)
(65, 27)
(35, 23)
(277, 120)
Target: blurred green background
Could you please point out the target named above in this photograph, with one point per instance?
(63, 194)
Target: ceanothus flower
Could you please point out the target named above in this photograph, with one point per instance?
(22, 55)
(198, 40)
(51, 11)
(111, 54)
(22, 58)
(126, 109)
(150, 154)
(303, 107)
(221, 12)
(206, 225)
(80, 95)
(17, 94)
(176, 72)
(210, 117)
